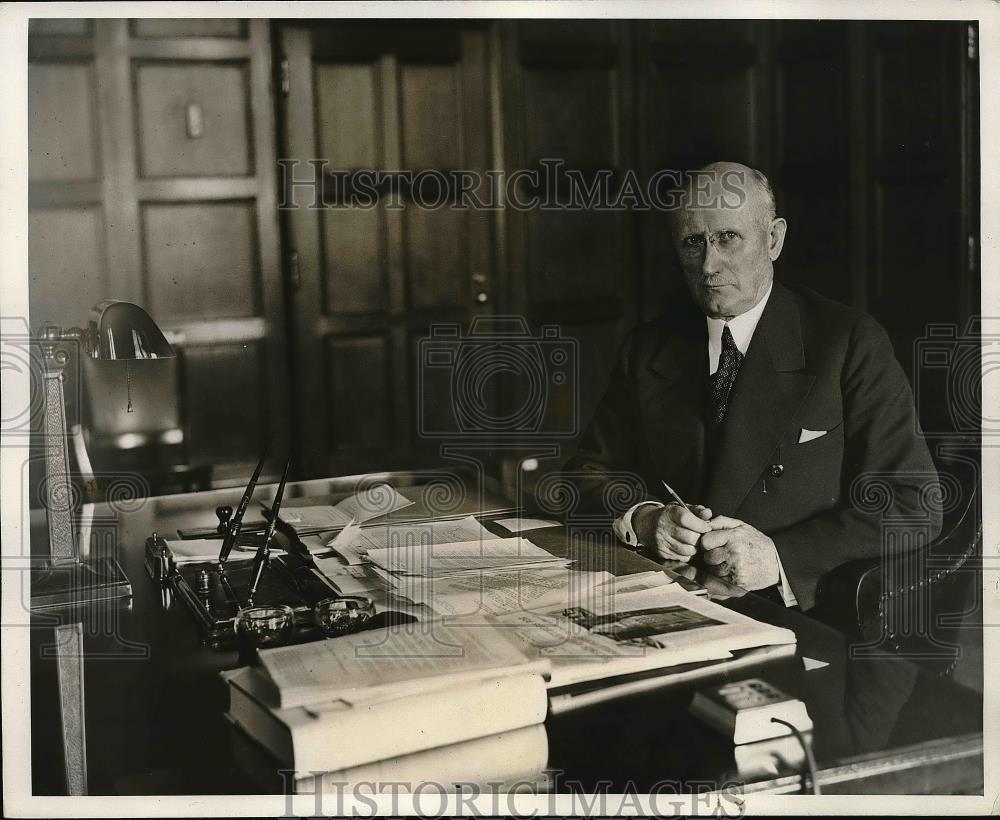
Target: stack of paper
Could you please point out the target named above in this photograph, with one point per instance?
(197, 550)
(364, 505)
(353, 542)
(497, 593)
(376, 695)
(464, 558)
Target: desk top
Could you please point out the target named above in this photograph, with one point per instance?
(155, 703)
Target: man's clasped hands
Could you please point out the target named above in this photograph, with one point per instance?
(731, 549)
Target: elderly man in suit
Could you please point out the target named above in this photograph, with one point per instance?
(759, 404)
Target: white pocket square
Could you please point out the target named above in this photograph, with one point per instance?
(809, 435)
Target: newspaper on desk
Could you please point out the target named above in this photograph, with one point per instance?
(615, 634)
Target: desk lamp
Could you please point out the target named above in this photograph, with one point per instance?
(118, 331)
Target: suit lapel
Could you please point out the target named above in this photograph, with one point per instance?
(772, 383)
(676, 402)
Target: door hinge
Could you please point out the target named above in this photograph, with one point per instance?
(972, 41)
(286, 83)
(294, 276)
(971, 258)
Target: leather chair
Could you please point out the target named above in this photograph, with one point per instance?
(889, 608)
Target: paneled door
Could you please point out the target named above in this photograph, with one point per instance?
(369, 278)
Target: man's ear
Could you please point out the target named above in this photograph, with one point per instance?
(776, 237)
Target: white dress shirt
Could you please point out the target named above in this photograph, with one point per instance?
(742, 328)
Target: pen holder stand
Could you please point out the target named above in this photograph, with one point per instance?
(215, 596)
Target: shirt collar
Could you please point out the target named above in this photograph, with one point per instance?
(742, 326)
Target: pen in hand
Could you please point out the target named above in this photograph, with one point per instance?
(673, 494)
(698, 511)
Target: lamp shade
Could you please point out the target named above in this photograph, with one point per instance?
(125, 331)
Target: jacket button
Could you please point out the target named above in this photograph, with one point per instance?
(777, 470)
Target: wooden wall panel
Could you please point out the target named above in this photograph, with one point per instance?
(570, 116)
(574, 256)
(698, 86)
(916, 187)
(386, 97)
(710, 113)
(59, 27)
(596, 345)
(358, 384)
(201, 260)
(354, 275)
(226, 413)
(571, 100)
(812, 177)
(431, 120)
(437, 258)
(167, 146)
(62, 135)
(701, 92)
(431, 115)
(348, 125)
(67, 264)
(910, 124)
(817, 242)
(915, 243)
(189, 27)
(349, 136)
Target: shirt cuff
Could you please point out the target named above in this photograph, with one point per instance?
(784, 587)
(623, 524)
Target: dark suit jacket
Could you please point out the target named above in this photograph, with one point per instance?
(812, 363)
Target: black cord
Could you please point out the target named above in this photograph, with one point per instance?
(807, 748)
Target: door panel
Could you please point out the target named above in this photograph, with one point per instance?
(358, 381)
(354, 274)
(372, 277)
(569, 98)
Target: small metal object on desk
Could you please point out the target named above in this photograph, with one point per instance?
(158, 559)
(225, 514)
(344, 614)
(204, 582)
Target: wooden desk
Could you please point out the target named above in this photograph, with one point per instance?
(154, 701)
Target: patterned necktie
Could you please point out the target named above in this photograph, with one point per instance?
(722, 380)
